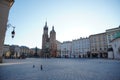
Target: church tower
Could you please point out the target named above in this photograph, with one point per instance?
(45, 41)
(53, 45)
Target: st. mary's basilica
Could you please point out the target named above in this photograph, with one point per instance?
(49, 46)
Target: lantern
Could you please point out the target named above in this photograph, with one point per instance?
(13, 32)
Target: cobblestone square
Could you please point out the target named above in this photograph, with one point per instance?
(60, 69)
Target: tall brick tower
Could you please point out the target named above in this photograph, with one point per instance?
(53, 45)
(45, 42)
(45, 36)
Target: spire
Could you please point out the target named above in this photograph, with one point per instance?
(46, 27)
(52, 31)
(52, 27)
(46, 23)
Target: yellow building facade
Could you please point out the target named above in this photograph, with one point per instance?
(98, 45)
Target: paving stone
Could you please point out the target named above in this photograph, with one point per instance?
(60, 69)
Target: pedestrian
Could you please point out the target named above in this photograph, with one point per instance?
(33, 65)
(41, 67)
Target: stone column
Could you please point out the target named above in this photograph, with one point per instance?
(4, 11)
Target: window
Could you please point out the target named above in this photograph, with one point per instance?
(104, 48)
(109, 40)
(115, 45)
(95, 49)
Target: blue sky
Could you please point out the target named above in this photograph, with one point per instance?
(72, 19)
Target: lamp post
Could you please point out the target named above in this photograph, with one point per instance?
(13, 32)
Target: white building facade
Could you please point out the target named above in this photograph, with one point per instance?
(80, 47)
(66, 49)
(111, 34)
(116, 48)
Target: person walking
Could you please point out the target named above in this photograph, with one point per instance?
(33, 65)
(41, 67)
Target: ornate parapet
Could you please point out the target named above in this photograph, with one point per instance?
(7, 2)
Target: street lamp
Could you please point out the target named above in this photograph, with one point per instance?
(13, 32)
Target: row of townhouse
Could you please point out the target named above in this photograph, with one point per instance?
(96, 45)
(15, 51)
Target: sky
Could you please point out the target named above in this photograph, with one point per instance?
(71, 19)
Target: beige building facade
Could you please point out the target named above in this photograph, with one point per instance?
(24, 50)
(15, 51)
(6, 48)
(35, 51)
(98, 45)
(5, 6)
